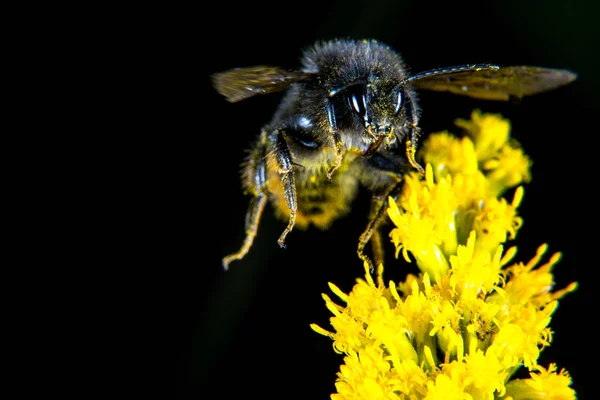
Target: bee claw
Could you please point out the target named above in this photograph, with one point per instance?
(225, 265)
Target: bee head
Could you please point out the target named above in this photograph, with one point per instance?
(378, 108)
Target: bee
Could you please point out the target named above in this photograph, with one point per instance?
(349, 119)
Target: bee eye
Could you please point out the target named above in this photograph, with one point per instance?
(399, 99)
(357, 100)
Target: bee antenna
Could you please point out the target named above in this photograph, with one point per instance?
(451, 70)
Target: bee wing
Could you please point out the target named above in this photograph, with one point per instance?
(241, 83)
(497, 84)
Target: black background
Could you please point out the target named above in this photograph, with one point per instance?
(246, 332)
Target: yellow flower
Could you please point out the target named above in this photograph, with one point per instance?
(508, 169)
(450, 154)
(487, 147)
(545, 385)
(472, 317)
(489, 132)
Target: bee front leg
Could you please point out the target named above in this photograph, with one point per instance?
(337, 140)
(411, 143)
(284, 162)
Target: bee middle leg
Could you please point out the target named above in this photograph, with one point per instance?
(284, 162)
(382, 173)
(372, 231)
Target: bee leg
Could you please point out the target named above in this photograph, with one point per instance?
(257, 204)
(411, 143)
(284, 161)
(337, 140)
(377, 247)
(411, 148)
(371, 232)
(257, 182)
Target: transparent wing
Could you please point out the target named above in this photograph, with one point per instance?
(241, 83)
(496, 84)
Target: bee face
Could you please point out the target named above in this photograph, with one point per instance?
(339, 125)
(373, 111)
(378, 108)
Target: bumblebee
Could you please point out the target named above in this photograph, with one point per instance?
(350, 119)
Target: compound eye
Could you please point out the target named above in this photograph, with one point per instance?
(357, 100)
(399, 100)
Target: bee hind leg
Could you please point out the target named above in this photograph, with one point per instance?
(255, 210)
(255, 181)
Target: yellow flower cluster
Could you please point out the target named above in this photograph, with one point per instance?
(472, 317)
